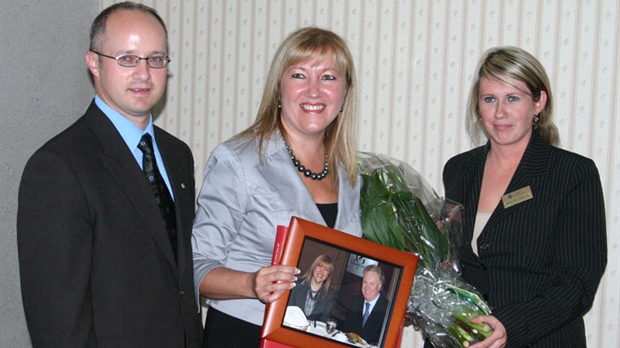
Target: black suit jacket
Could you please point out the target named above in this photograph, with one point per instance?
(540, 260)
(371, 332)
(96, 264)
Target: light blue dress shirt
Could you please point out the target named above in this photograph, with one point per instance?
(372, 304)
(132, 135)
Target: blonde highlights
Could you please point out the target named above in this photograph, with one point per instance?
(326, 260)
(501, 64)
(301, 46)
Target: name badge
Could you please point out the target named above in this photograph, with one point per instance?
(516, 197)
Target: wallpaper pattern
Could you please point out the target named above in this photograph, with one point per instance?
(414, 61)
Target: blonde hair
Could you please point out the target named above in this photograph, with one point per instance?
(301, 46)
(500, 64)
(326, 260)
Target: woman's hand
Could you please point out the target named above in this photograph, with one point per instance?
(269, 283)
(497, 339)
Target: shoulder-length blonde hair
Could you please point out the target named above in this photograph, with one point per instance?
(500, 64)
(301, 46)
(327, 261)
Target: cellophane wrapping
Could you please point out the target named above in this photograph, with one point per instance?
(401, 210)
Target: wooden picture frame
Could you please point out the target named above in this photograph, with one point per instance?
(304, 240)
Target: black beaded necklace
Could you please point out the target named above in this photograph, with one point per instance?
(307, 172)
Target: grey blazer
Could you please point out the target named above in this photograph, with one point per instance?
(241, 203)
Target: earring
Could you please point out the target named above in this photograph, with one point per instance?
(536, 118)
(279, 106)
(341, 109)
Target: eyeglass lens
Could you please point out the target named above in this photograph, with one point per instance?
(157, 62)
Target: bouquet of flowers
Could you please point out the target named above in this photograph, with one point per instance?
(400, 210)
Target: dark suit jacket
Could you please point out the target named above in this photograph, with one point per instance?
(323, 306)
(371, 332)
(96, 264)
(540, 260)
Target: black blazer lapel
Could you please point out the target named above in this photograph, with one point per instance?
(378, 313)
(182, 183)
(474, 169)
(123, 167)
(535, 162)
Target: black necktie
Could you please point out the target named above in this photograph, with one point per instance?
(160, 190)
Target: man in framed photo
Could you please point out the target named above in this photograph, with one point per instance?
(367, 311)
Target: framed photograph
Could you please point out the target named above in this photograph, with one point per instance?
(351, 292)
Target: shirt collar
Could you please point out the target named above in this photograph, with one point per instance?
(130, 133)
(373, 302)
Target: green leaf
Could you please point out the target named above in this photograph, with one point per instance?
(393, 216)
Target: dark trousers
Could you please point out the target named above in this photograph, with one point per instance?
(225, 331)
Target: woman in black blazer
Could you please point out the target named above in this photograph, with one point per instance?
(534, 217)
(313, 294)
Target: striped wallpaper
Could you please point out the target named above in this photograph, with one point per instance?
(414, 61)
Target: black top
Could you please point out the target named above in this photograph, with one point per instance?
(329, 212)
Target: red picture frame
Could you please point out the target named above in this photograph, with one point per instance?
(303, 236)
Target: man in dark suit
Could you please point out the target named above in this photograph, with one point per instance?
(101, 264)
(367, 312)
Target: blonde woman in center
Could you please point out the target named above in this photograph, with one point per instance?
(297, 159)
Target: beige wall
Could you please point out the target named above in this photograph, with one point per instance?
(414, 61)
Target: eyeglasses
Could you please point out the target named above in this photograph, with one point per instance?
(131, 60)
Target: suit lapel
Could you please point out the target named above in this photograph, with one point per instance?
(123, 167)
(474, 172)
(283, 177)
(535, 162)
(175, 168)
(378, 312)
(346, 193)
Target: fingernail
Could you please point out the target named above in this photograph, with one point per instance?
(297, 271)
